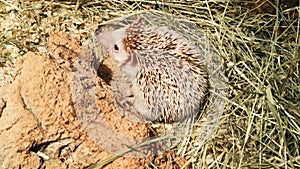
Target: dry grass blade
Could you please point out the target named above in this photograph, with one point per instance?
(258, 41)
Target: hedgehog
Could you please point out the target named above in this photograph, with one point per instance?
(167, 75)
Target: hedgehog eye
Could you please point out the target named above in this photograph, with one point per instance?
(116, 47)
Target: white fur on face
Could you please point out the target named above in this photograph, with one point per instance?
(113, 43)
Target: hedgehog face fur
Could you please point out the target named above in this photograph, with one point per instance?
(169, 82)
(113, 43)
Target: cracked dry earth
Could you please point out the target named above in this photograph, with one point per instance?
(39, 128)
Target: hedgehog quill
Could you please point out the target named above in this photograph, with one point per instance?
(168, 78)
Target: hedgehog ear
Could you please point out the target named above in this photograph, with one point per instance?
(137, 23)
(139, 20)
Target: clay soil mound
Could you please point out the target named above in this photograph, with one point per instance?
(39, 127)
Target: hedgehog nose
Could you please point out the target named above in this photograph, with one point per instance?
(99, 30)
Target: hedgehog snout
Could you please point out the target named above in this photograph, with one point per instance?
(99, 30)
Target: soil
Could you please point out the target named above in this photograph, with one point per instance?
(39, 127)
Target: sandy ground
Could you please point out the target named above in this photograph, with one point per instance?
(39, 128)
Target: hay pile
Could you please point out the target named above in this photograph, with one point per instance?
(258, 42)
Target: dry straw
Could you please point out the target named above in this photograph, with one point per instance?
(257, 40)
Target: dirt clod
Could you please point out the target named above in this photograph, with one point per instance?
(39, 127)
